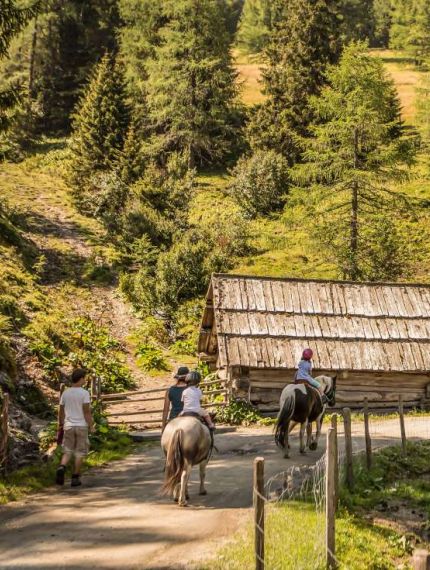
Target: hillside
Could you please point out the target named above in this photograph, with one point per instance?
(60, 271)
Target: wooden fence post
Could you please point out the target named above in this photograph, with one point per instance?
(367, 434)
(4, 432)
(402, 424)
(349, 471)
(330, 488)
(98, 389)
(336, 470)
(259, 501)
(421, 560)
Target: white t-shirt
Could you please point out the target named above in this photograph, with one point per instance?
(191, 397)
(73, 400)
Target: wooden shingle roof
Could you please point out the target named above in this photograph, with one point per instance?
(266, 323)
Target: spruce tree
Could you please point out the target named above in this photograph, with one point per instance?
(410, 29)
(352, 159)
(304, 40)
(191, 87)
(12, 21)
(254, 26)
(99, 127)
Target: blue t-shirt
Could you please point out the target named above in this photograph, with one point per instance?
(175, 397)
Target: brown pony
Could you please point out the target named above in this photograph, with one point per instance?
(185, 442)
(300, 403)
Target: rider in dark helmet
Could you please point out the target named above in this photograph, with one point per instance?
(173, 400)
(192, 397)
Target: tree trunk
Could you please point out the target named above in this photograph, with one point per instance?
(353, 241)
(31, 63)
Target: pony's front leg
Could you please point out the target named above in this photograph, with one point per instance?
(319, 420)
(184, 485)
(303, 428)
(202, 478)
(176, 492)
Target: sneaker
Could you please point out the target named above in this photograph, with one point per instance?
(76, 481)
(59, 477)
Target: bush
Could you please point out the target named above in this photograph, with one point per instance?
(150, 357)
(260, 183)
(184, 347)
(240, 412)
(57, 342)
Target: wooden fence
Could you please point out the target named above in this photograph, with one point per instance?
(333, 464)
(145, 400)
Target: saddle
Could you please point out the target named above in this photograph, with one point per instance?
(322, 397)
(211, 432)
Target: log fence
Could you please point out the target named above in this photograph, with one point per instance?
(128, 400)
(336, 467)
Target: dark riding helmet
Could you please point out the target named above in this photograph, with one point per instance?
(181, 373)
(193, 378)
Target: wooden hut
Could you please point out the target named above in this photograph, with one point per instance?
(375, 336)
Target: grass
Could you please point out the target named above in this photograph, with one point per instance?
(294, 531)
(295, 541)
(22, 482)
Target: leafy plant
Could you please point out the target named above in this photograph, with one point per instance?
(239, 412)
(150, 357)
(184, 347)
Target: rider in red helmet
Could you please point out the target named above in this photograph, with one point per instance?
(305, 368)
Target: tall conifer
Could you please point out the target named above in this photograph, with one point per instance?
(100, 124)
(191, 87)
(304, 40)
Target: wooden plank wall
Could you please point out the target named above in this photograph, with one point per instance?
(382, 390)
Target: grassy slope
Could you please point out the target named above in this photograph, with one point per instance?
(283, 247)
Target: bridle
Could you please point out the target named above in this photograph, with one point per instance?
(331, 393)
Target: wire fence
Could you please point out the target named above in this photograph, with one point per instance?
(296, 498)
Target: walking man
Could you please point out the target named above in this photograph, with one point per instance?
(74, 417)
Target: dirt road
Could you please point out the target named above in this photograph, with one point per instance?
(117, 520)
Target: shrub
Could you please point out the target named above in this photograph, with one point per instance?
(184, 347)
(240, 412)
(150, 357)
(260, 183)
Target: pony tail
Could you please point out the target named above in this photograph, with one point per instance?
(283, 420)
(174, 463)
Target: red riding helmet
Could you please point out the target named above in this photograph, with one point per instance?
(307, 354)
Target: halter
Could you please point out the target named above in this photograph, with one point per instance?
(331, 393)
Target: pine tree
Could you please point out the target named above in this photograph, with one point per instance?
(352, 158)
(304, 40)
(99, 129)
(410, 29)
(53, 58)
(191, 87)
(12, 21)
(254, 26)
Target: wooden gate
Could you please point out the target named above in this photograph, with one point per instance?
(145, 407)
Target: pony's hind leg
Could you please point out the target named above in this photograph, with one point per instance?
(286, 442)
(319, 420)
(303, 428)
(184, 485)
(202, 478)
(309, 435)
(176, 492)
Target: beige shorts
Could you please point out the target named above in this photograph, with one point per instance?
(76, 442)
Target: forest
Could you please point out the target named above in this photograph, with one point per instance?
(146, 144)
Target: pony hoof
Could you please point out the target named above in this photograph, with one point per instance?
(313, 446)
(184, 504)
(203, 492)
(286, 456)
(303, 451)
(187, 496)
(176, 499)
